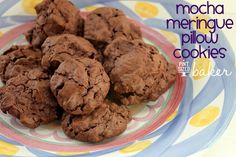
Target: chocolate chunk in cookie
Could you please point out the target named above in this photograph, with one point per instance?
(57, 49)
(80, 85)
(105, 24)
(138, 72)
(28, 98)
(17, 60)
(55, 17)
(107, 121)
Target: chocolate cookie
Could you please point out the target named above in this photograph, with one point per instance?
(57, 49)
(28, 98)
(105, 24)
(17, 60)
(55, 17)
(107, 121)
(138, 72)
(80, 85)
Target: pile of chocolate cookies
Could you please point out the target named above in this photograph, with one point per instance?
(84, 71)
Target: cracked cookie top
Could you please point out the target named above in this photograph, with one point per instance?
(59, 48)
(55, 17)
(28, 98)
(17, 60)
(138, 72)
(107, 121)
(80, 85)
(105, 24)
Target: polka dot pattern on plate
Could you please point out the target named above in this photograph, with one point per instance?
(205, 116)
(136, 147)
(172, 116)
(90, 8)
(71, 153)
(170, 36)
(146, 10)
(202, 29)
(201, 68)
(28, 6)
(8, 149)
